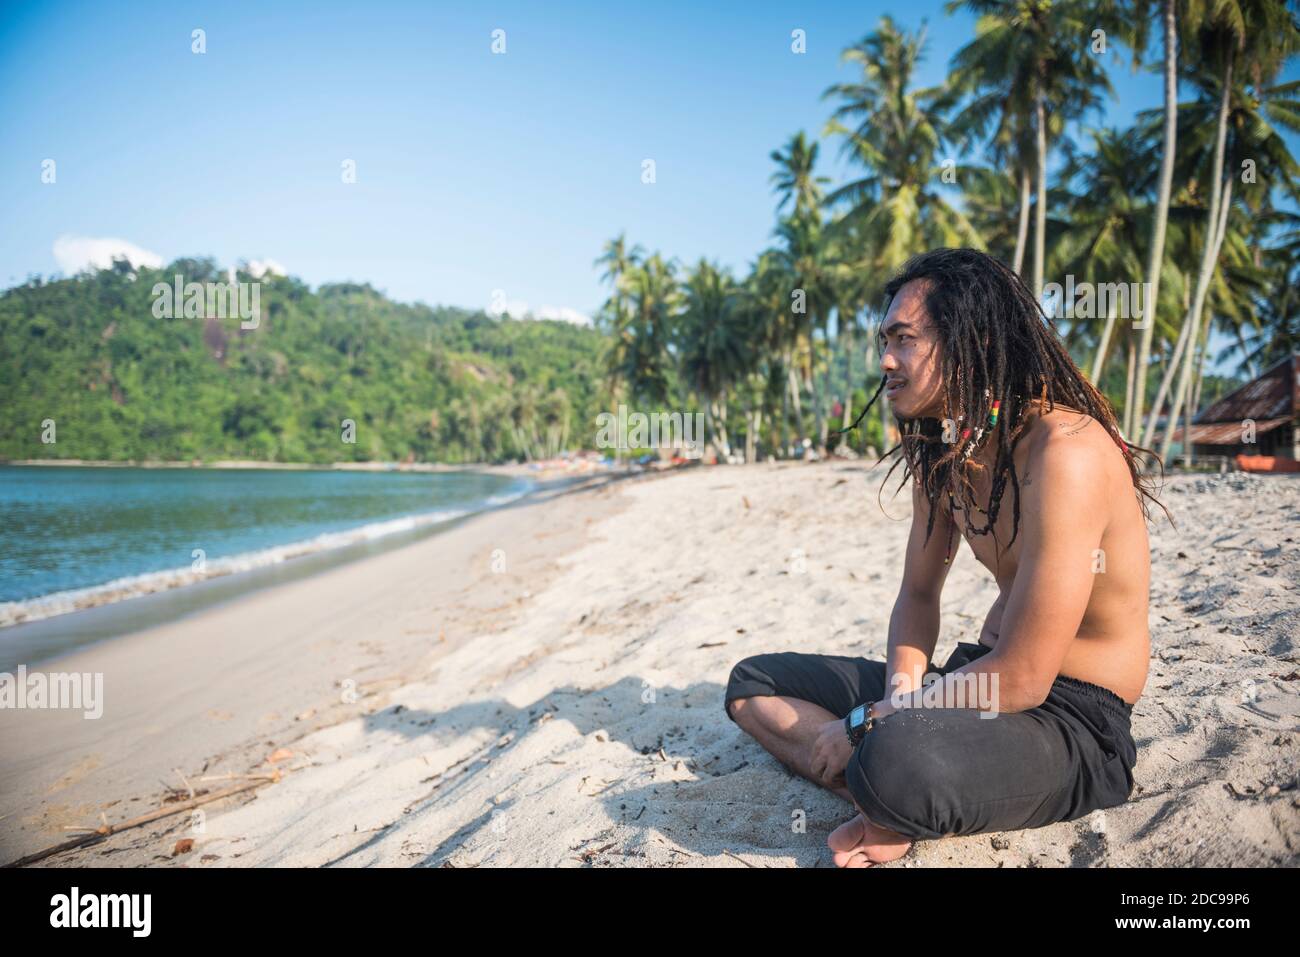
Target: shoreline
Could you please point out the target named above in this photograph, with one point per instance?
(259, 464)
(374, 536)
(204, 693)
(519, 469)
(19, 617)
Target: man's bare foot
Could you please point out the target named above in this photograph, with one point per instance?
(859, 843)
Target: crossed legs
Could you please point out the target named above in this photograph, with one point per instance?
(786, 728)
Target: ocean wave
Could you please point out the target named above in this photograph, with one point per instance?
(134, 586)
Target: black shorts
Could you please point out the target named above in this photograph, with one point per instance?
(935, 772)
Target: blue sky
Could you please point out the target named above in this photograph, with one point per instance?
(475, 172)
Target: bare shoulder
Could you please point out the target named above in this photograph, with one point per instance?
(1071, 450)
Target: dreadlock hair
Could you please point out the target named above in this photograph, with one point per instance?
(996, 345)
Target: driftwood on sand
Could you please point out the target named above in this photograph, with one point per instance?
(106, 829)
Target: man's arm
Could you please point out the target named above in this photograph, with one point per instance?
(913, 632)
(914, 623)
(1063, 514)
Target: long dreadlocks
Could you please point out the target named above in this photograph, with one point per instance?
(997, 346)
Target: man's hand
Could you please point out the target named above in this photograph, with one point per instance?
(830, 754)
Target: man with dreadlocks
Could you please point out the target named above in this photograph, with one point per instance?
(1006, 442)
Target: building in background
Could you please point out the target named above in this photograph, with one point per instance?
(1264, 409)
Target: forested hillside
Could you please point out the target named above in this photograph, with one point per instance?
(420, 383)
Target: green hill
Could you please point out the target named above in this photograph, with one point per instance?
(420, 383)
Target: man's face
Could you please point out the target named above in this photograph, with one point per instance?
(910, 355)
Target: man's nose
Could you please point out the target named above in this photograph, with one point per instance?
(887, 361)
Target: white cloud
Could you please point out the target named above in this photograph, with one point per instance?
(519, 309)
(563, 313)
(258, 268)
(75, 253)
(514, 308)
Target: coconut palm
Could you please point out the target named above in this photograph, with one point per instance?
(1232, 41)
(617, 261)
(1108, 220)
(795, 177)
(639, 359)
(998, 113)
(1034, 48)
(896, 134)
(807, 256)
(1276, 335)
(1141, 11)
(776, 332)
(712, 342)
(991, 203)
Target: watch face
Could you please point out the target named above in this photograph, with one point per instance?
(858, 716)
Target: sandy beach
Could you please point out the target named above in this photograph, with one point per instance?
(542, 685)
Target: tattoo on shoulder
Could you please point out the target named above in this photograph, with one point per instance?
(1077, 426)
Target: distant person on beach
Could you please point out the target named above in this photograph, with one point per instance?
(1005, 441)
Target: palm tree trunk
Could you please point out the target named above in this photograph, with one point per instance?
(721, 418)
(1216, 227)
(1193, 392)
(1190, 412)
(798, 407)
(1099, 362)
(711, 420)
(1129, 385)
(1210, 252)
(751, 428)
(1040, 212)
(1022, 226)
(847, 333)
(819, 414)
(1200, 376)
(785, 418)
(1166, 380)
(1155, 257)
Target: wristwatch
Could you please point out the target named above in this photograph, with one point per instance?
(859, 723)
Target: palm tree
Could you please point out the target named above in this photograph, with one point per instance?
(639, 357)
(1234, 39)
(618, 261)
(1140, 11)
(1034, 45)
(894, 131)
(1107, 222)
(613, 316)
(776, 330)
(1277, 333)
(806, 256)
(991, 200)
(896, 136)
(713, 347)
(999, 112)
(795, 177)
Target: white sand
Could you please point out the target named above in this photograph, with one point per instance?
(584, 724)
